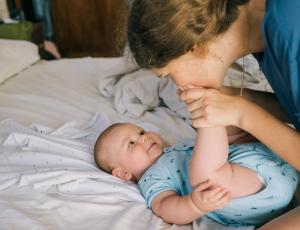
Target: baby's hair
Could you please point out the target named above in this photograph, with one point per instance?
(162, 30)
(100, 155)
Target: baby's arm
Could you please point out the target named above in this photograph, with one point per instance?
(176, 209)
(209, 161)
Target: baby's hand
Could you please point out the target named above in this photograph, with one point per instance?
(207, 199)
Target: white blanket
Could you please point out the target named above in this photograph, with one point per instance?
(50, 176)
(49, 180)
(137, 90)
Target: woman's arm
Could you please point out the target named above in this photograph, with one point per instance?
(278, 136)
(288, 221)
(213, 108)
(266, 100)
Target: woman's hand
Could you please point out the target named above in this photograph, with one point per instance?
(210, 107)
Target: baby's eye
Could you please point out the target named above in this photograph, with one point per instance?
(142, 132)
(131, 144)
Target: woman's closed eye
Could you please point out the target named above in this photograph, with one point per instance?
(163, 75)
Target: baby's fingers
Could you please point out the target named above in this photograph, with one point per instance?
(221, 195)
(208, 195)
(223, 201)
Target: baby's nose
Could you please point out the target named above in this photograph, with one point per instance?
(145, 138)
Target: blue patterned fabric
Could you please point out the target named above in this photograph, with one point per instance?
(171, 172)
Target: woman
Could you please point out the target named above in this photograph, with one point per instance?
(195, 41)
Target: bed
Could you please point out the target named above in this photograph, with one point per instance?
(51, 112)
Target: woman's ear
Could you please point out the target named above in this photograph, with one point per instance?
(122, 174)
(194, 49)
(199, 51)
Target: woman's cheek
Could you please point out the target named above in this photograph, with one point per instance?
(181, 80)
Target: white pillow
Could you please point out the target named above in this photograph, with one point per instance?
(16, 55)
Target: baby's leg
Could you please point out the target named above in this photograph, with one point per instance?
(209, 161)
(210, 154)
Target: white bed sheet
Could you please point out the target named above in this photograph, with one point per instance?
(45, 186)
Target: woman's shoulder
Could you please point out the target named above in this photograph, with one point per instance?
(282, 14)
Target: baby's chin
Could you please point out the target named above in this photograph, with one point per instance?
(158, 153)
(157, 150)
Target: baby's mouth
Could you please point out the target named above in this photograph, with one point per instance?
(151, 146)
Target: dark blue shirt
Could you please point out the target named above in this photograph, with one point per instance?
(281, 61)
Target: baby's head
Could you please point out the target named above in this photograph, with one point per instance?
(127, 151)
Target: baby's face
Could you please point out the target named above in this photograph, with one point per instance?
(135, 149)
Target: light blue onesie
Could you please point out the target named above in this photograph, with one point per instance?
(171, 172)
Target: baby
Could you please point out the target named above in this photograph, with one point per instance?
(195, 178)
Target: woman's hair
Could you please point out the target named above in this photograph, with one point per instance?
(162, 30)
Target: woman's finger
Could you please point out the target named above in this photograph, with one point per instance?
(188, 101)
(195, 104)
(192, 94)
(197, 114)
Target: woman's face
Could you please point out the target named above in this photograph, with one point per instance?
(192, 70)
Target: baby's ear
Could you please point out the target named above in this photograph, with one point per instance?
(122, 174)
